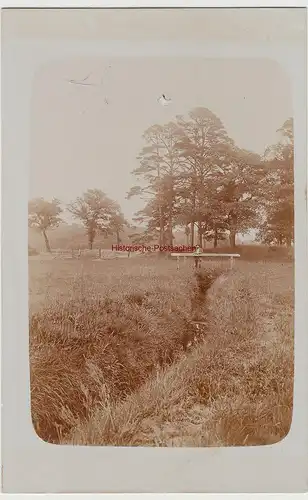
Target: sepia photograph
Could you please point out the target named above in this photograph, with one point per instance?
(161, 232)
(154, 222)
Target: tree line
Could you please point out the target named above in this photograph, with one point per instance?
(191, 174)
(98, 213)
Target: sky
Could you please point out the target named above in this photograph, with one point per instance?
(80, 142)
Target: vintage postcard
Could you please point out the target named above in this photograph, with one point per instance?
(163, 210)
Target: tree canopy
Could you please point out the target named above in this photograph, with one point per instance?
(192, 174)
(98, 214)
(44, 215)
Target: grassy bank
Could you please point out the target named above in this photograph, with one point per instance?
(86, 349)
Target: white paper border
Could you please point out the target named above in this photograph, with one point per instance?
(30, 465)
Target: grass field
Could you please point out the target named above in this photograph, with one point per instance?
(111, 363)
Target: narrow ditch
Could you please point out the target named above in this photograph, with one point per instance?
(199, 304)
(83, 350)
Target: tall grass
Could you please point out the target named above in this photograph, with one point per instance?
(113, 369)
(86, 349)
(258, 253)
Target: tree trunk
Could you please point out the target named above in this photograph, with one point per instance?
(164, 236)
(170, 217)
(192, 224)
(170, 235)
(200, 234)
(161, 228)
(233, 229)
(91, 236)
(161, 222)
(187, 235)
(232, 237)
(118, 237)
(192, 234)
(48, 249)
(215, 236)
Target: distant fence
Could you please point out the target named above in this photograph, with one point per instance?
(95, 254)
(79, 253)
(252, 253)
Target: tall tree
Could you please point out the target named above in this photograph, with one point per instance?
(278, 189)
(44, 215)
(117, 224)
(154, 216)
(96, 211)
(239, 192)
(158, 174)
(191, 174)
(204, 149)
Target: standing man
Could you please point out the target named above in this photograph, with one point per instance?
(197, 259)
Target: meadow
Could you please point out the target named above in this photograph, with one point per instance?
(116, 360)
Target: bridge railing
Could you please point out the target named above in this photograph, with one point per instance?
(231, 256)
